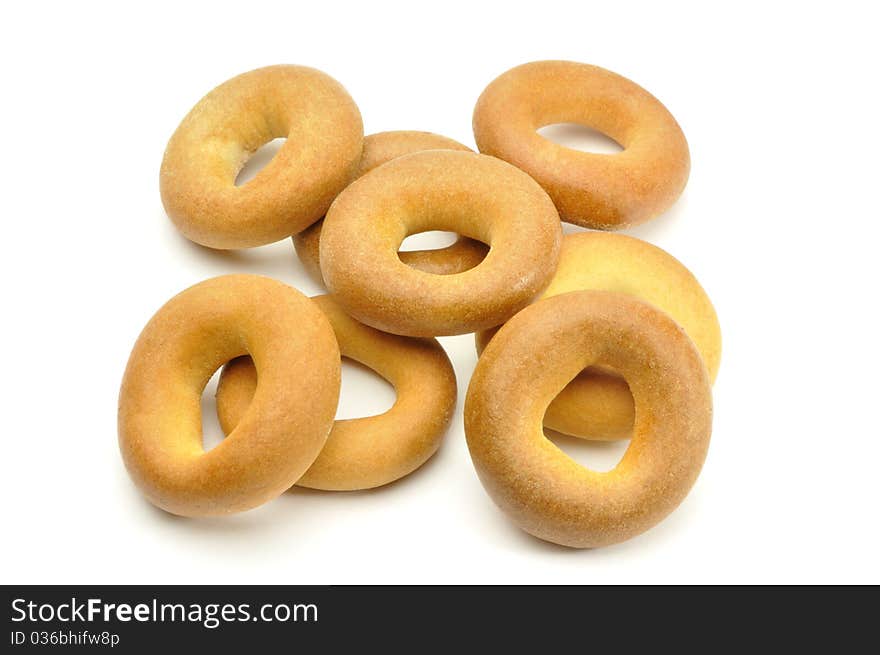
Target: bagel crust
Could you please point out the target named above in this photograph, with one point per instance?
(367, 452)
(324, 135)
(524, 367)
(597, 404)
(439, 190)
(283, 429)
(380, 148)
(607, 192)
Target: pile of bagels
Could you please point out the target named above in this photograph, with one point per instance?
(592, 334)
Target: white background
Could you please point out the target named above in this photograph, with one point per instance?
(779, 222)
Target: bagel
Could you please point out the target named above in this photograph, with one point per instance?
(367, 452)
(324, 135)
(380, 148)
(284, 428)
(600, 191)
(545, 492)
(597, 404)
(474, 195)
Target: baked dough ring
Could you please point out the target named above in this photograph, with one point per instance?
(367, 452)
(606, 192)
(478, 196)
(324, 140)
(380, 148)
(598, 404)
(283, 430)
(528, 362)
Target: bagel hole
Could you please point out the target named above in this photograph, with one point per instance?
(363, 392)
(580, 137)
(599, 456)
(430, 240)
(212, 433)
(258, 161)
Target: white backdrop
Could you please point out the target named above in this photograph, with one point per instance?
(779, 222)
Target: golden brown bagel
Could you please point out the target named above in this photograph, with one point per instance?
(324, 135)
(525, 366)
(380, 148)
(474, 195)
(605, 192)
(284, 428)
(367, 452)
(597, 404)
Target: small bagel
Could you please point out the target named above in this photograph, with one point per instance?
(324, 135)
(284, 428)
(600, 191)
(380, 148)
(530, 360)
(597, 404)
(474, 195)
(367, 452)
